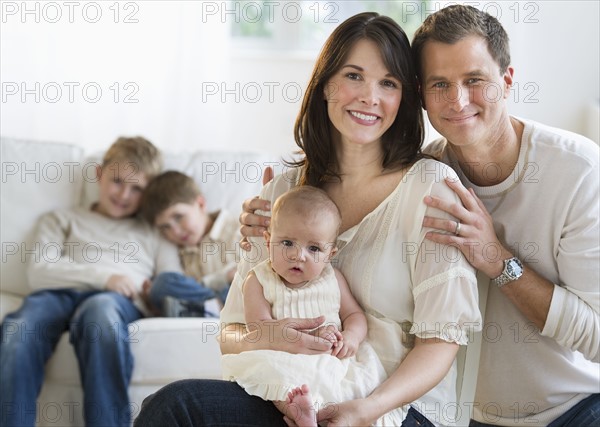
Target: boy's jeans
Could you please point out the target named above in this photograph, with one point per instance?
(97, 322)
(182, 287)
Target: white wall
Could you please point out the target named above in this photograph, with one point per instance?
(195, 90)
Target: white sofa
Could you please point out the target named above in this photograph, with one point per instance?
(41, 176)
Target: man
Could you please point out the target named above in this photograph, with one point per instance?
(530, 222)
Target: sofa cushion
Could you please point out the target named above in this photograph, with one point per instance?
(37, 177)
(170, 348)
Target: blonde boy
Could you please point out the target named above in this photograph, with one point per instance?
(92, 291)
(208, 245)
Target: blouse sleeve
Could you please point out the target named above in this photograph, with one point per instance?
(444, 283)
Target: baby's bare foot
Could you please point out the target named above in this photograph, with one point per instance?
(300, 407)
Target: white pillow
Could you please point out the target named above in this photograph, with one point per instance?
(37, 177)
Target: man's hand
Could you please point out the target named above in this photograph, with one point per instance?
(476, 237)
(122, 285)
(253, 224)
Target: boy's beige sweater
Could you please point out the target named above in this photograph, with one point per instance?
(79, 248)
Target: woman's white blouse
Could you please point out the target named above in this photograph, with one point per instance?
(409, 287)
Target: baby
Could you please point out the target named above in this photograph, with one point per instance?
(298, 280)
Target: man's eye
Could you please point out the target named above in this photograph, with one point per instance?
(440, 85)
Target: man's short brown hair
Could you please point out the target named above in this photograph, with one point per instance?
(456, 22)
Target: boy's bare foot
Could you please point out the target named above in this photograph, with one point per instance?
(300, 407)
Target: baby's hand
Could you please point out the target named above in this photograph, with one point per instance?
(347, 346)
(329, 333)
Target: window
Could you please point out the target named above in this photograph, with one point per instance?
(304, 25)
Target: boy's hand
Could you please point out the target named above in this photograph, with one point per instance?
(253, 224)
(122, 285)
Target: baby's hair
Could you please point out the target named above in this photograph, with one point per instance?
(136, 151)
(166, 190)
(308, 201)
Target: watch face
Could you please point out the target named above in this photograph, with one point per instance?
(514, 269)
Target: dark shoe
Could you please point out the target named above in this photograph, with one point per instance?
(173, 307)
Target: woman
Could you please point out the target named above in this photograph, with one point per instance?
(360, 128)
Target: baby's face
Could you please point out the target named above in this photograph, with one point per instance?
(300, 248)
(183, 223)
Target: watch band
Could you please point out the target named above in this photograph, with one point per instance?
(513, 270)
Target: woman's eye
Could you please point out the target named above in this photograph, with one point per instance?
(353, 76)
(440, 85)
(389, 83)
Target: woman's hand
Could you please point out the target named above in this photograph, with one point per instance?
(251, 223)
(330, 333)
(349, 413)
(474, 235)
(290, 335)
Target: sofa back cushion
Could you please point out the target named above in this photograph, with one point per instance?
(37, 177)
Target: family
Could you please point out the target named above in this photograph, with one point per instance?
(361, 256)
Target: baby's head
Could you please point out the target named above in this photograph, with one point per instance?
(301, 239)
(126, 168)
(173, 203)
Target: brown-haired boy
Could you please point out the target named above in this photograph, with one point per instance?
(90, 287)
(208, 245)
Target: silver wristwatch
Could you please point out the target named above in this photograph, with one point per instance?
(513, 269)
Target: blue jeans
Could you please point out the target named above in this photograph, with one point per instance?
(215, 403)
(415, 419)
(181, 287)
(190, 403)
(585, 413)
(97, 322)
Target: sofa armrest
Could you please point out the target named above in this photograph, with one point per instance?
(9, 302)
